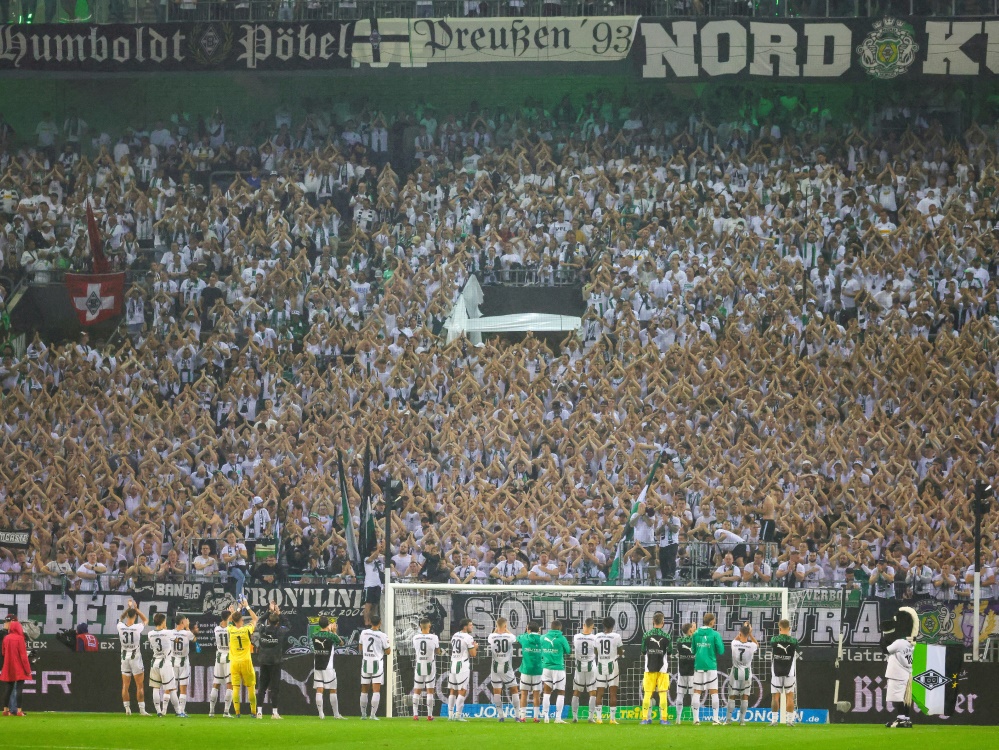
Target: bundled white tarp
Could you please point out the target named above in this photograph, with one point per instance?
(520, 322)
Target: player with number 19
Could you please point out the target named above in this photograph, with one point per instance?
(740, 678)
(501, 674)
(426, 646)
(610, 648)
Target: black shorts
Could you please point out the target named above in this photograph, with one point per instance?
(373, 595)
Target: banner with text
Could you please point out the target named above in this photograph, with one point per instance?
(818, 50)
(416, 43)
(176, 47)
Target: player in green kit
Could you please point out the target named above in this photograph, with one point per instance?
(554, 649)
(530, 668)
(708, 646)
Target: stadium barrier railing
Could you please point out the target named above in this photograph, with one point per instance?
(199, 11)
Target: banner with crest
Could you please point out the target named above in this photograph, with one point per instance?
(816, 49)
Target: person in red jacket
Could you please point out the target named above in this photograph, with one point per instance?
(16, 668)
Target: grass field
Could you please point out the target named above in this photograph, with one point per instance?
(93, 731)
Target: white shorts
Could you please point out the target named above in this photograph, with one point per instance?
(782, 685)
(222, 672)
(896, 691)
(182, 671)
(685, 682)
(372, 671)
(503, 679)
(584, 680)
(530, 683)
(161, 675)
(425, 676)
(131, 663)
(461, 679)
(740, 681)
(324, 678)
(706, 679)
(608, 675)
(554, 678)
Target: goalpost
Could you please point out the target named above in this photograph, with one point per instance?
(631, 607)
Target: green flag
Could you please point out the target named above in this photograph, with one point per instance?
(348, 523)
(629, 533)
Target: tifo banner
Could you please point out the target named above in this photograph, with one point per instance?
(821, 615)
(96, 297)
(821, 49)
(159, 48)
(418, 42)
(15, 538)
(45, 613)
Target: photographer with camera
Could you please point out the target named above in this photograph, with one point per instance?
(16, 667)
(270, 651)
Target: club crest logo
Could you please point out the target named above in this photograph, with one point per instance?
(931, 679)
(889, 50)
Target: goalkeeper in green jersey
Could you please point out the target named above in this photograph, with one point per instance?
(708, 646)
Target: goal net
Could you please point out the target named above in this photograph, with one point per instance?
(631, 607)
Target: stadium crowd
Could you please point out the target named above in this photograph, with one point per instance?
(798, 315)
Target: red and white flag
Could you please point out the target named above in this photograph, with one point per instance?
(96, 297)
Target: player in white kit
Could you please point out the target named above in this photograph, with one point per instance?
(610, 648)
(130, 627)
(374, 646)
(501, 672)
(181, 660)
(584, 676)
(740, 678)
(426, 646)
(161, 677)
(463, 648)
(222, 671)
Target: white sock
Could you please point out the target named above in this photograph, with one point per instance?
(175, 703)
(430, 702)
(498, 702)
(128, 706)
(731, 709)
(273, 711)
(546, 702)
(593, 706)
(695, 706)
(416, 704)
(575, 706)
(212, 698)
(334, 704)
(158, 700)
(142, 705)
(743, 706)
(450, 706)
(228, 699)
(364, 704)
(517, 711)
(714, 706)
(459, 705)
(182, 700)
(559, 705)
(319, 704)
(376, 698)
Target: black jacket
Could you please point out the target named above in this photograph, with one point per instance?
(270, 643)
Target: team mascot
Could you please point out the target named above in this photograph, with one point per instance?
(897, 637)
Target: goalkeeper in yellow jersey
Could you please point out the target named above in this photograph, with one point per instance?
(240, 663)
(656, 645)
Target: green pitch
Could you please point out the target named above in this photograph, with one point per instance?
(99, 731)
